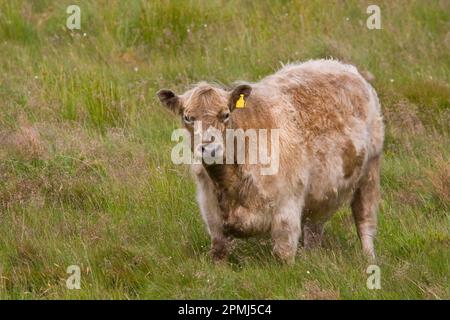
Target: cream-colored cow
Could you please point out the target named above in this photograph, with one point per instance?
(330, 142)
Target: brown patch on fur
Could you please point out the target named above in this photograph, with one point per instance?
(313, 113)
(238, 198)
(255, 115)
(352, 87)
(320, 100)
(233, 188)
(351, 160)
(315, 208)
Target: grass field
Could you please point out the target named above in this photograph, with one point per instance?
(85, 172)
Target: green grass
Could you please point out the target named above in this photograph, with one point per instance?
(85, 171)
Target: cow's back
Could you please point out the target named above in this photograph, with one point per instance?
(330, 122)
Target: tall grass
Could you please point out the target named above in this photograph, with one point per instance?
(85, 170)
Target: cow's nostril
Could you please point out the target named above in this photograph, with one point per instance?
(213, 153)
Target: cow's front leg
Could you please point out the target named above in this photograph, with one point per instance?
(286, 230)
(214, 224)
(212, 216)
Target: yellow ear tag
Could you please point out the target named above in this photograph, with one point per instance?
(241, 102)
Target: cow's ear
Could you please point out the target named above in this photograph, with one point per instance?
(170, 100)
(239, 96)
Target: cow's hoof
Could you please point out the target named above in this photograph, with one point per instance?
(287, 260)
(218, 258)
(284, 256)
(219, 250)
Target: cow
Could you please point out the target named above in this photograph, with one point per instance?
(331, 133)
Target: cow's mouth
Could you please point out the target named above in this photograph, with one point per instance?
(212, 153)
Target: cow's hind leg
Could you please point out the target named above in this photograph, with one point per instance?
(365, 205)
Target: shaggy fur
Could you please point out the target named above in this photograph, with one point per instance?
(331, 138)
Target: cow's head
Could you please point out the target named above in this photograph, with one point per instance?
(209, 106)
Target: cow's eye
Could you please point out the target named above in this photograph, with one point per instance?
(226, 117)
(187, 119)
